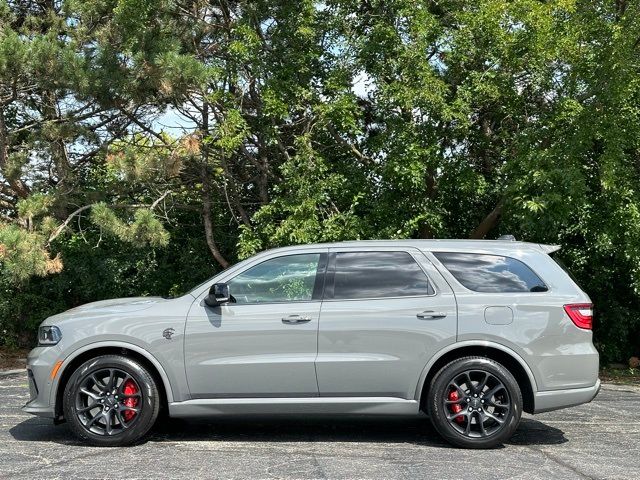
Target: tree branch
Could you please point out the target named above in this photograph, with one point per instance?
(64, 224)
(488, 222)
(56, 233)
(143, 126)
(361, 156)
(161, 198)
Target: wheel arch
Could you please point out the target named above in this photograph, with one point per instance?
(501, 354)
(111, 348)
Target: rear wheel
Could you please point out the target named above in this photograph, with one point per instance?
(111, 400)
(475, 402)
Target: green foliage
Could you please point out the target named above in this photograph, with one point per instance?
(139, 160)
(232, 132)
(22, 255)
(110, 271)
(144, 230)
(34, 205)
(303, 209)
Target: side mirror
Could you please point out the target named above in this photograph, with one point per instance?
(218, 294)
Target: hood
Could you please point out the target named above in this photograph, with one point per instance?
(117, 305)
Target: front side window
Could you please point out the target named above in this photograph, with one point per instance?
(491, 273)
(290, 278)
(378, 275)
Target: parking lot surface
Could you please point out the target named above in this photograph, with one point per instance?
(597, 440)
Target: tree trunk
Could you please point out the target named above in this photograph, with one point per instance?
(208, 226)
(17, 185)
(488, 222)
(59, 153)
(206, 192)
(425, 231)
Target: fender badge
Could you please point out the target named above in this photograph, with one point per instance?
(168, 332)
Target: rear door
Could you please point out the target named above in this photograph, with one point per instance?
(385, 313)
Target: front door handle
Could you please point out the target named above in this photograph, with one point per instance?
(431, 315)
(293, 319)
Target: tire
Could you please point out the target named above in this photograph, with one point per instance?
(477, 415)
(111, 401)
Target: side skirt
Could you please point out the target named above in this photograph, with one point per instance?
(313, 405)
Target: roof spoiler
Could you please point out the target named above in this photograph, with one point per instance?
(549, 249)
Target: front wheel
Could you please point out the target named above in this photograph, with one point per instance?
(475, 402)
(111, 400)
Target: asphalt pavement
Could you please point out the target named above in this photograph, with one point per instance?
(597, 440)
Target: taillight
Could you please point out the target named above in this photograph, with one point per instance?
(581, 314)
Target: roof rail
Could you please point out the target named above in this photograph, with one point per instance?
(509, 238)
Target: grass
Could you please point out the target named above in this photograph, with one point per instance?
(621, 376)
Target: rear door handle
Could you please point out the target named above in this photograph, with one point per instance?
(431, 315)
(293, 319)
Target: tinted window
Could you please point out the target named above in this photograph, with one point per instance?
(491, 273)
(378, 274)
(282, 279)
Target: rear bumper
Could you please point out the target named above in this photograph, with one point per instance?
(557, 399)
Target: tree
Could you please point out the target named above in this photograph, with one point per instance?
(54, 122)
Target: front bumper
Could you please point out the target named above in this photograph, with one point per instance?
(39, 410)
(40, 362)
(556, 399)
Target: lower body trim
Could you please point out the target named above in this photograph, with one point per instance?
(312, 405)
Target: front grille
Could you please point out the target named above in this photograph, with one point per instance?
(33, 388)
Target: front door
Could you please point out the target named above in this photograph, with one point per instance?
(384, 315)
(264, 343)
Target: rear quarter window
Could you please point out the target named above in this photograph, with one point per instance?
(491, 273)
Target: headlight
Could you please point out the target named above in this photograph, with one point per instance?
(49, 335)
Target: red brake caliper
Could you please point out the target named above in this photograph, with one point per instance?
(456, 408)
(130, 388)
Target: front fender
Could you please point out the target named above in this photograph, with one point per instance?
(111, 344)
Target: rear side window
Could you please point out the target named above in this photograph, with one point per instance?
(491, 273)
(378, 275)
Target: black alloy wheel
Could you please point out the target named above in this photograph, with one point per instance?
(108, 402)
(111, 400)
(475, 402)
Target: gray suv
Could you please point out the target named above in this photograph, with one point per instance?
(470, 333)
